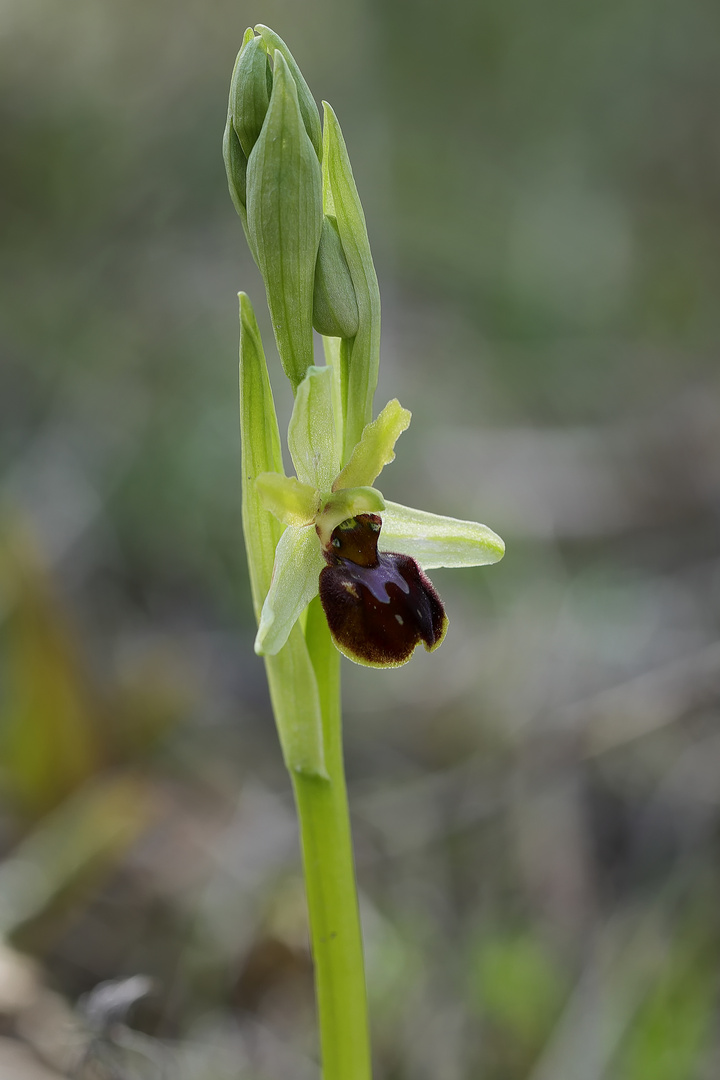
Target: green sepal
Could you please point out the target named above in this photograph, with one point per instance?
(308, 109)
(312, 438)
(291, 502)
(236, 169)
(335, 310)
(250, 88)
(284, 215)
(361, 356)
(298, 562)
(434, 540)
(298, 717)
(338, 506)
(375, 449)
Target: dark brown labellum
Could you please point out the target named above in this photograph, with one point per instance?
(378, 605)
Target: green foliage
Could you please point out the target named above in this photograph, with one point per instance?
(50, 730)
(518, 986)
(673, 1028)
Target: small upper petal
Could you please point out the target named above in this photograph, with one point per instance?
(376, 447)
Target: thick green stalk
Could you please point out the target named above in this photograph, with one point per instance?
(330, 879)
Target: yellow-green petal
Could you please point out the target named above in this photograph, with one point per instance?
(298, 562)
(438, 541)
(312, 437)
(375, 448)
(287, 499)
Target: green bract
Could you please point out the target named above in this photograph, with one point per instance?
(302, 741)
(284, 219)
(358, 356)
(312, 505)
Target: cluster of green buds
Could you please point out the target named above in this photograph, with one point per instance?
(333, 534)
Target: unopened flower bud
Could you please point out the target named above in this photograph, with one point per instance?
(250, 91)
(273, 43)
(248, 102)
(335, 309)
(284, 220)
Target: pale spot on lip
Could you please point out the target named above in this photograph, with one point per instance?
(400, 619)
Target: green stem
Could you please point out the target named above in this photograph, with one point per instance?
(330, 880)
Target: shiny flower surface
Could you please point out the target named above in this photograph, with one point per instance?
(366, 557)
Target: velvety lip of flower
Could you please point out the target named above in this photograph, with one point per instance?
(379, 604)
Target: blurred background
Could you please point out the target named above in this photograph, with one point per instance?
(536, 806)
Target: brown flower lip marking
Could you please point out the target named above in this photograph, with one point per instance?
(379, 605)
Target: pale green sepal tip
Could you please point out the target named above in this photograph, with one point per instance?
(298, 562)
(344, 504)
(312, 437)
(290, 501)
(435, 541)
(376, 447)
(272, 42)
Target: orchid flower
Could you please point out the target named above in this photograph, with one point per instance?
(379, 604)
